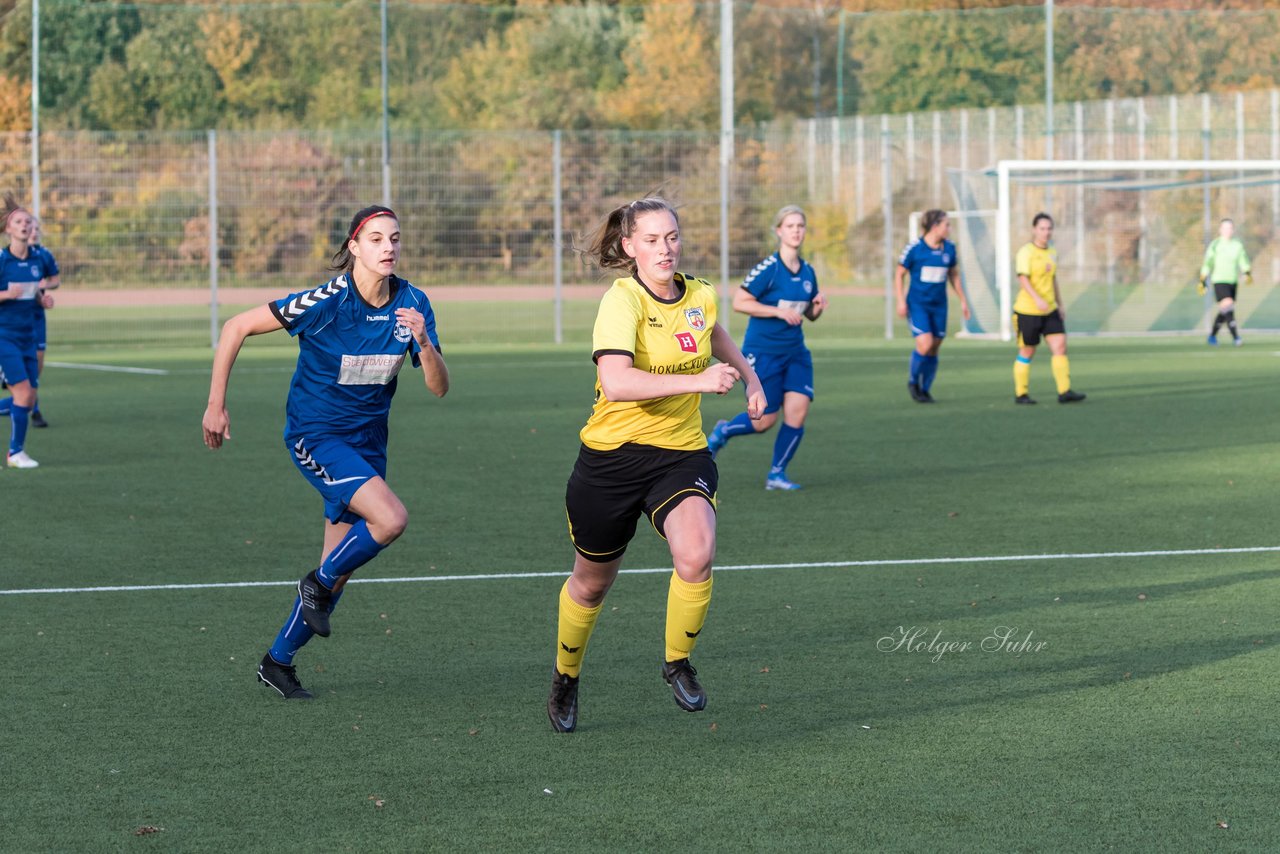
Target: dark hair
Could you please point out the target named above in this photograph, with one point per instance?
(11, 207)
(930, 219)
(604, 245)
(1035, 220)
(1227, 220)
(343, 259)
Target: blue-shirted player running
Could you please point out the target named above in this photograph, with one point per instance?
(354, 334)
(778, 295)
(52, 279)
(21, 272)
(930, 260)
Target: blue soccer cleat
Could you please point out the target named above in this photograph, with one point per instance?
(716, 438)
(1213, 340)
(780, 481)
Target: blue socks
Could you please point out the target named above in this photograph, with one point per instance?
(917, 367)
(784, 447)
(357, 548)
(928, 371)
(739, 425)
(18, 438)
(295, 634)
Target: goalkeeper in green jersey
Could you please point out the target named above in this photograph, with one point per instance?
(1225, 262)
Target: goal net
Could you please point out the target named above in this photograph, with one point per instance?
(1130, 238)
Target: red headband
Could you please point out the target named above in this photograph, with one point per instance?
(362, 223)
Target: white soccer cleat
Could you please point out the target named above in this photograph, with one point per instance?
(20, 460)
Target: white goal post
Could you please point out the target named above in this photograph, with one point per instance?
(1144, 176)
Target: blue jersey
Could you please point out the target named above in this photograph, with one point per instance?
(17, 316)
(349, 354)
(929, 268)
(50, 270)
(771, 283)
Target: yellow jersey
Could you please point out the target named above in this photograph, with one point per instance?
(661, 337)
(1039, 266)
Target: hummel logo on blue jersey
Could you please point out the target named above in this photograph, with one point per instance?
(377, 317)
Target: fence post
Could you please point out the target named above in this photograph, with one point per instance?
(557, 216)
(1275, 186)
(1206, 149)
(213, 239)
(886, 205)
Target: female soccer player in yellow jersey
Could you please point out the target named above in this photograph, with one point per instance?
(1038, 313)
(643, 450)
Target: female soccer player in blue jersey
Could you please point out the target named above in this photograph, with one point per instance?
(51, 281)
(354, 333)
(643, 451)
(21, 272)
(930, 261)
(778, 295)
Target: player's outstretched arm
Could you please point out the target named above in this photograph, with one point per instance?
(724, 349)
(255, 321)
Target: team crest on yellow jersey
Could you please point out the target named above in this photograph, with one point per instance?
(697, 321)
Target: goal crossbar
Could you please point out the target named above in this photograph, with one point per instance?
(1006, 168)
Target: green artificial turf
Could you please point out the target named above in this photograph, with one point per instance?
(1136, 711)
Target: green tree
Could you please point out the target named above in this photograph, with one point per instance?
(164, 82)
(553, 70)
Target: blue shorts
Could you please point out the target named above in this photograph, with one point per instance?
(337, 466)
(930, 318)
(18, 362)
(780, 373)
(40, 331)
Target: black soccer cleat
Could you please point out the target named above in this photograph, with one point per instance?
(37, 420)
(317, 602)
(685, 687)
(1070, 396)
(562, 702)
(914, 390)
(1024, 400)
(925, 397)
(282, 677)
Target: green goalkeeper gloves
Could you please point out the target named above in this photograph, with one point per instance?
(1200, 286)
(1248, 278)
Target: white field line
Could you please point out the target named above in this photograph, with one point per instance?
(840, 564)
(112, 369)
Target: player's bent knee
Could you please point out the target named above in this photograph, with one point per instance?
(388, 524)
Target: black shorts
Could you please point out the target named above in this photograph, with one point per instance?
(1222, 291)
(608, 491)
(1032, 326)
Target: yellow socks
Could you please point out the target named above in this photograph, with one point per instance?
(1062, 373)
(1021, 376)
(576, 623)
(686, 612)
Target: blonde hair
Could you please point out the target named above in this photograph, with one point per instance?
(786, 211)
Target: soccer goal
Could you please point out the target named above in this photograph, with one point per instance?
(1130, 237)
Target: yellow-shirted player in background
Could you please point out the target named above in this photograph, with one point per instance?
(1038, 313)
(643, 449)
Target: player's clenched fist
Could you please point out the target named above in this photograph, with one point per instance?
(720, 378)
